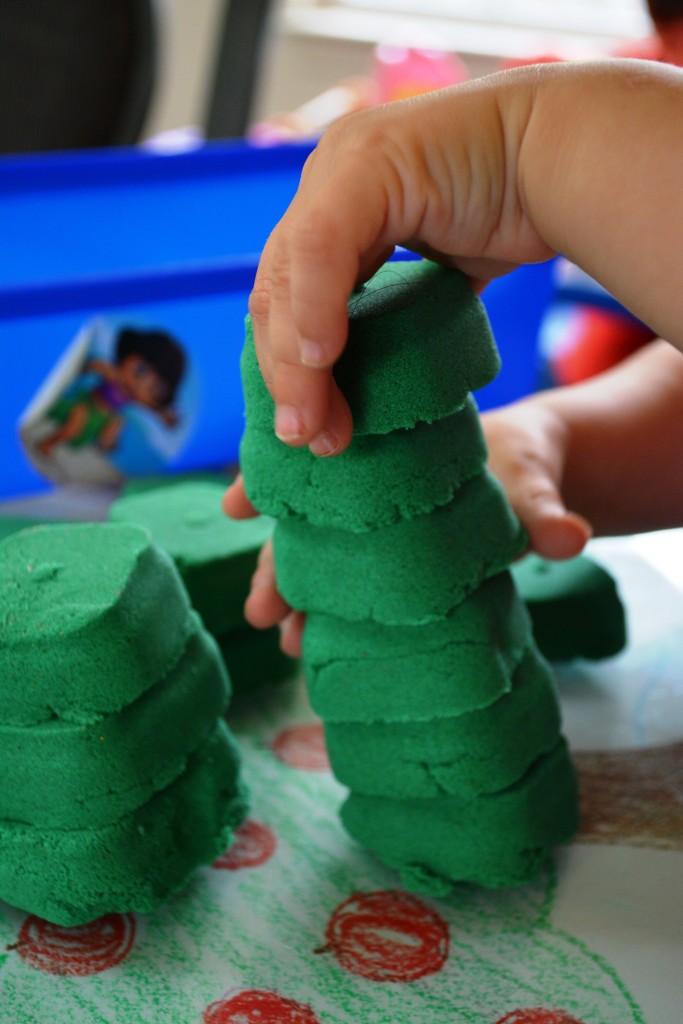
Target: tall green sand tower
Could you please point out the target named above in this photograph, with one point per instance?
(440, 715)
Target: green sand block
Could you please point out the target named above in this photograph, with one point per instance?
(378, 480)
(495, 840)
(254, 659)
(140, 484)
(418, 652)
(81, 634)
(456, 664)
(73, 876)
(575, 607)
(407, 570)
(13, 524)
(461, 756)
(419, 341)
(63, 775)
(456, 680)
(214, 555)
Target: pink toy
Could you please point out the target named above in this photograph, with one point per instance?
(400, 72)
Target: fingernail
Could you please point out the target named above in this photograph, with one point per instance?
(312, 354)
(288, 422)
(285, 625)
(324, 444)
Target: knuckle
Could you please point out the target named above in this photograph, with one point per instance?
(272, 284)
(260, 302)
(311, 238)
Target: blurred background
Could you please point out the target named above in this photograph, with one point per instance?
(81, 73)
(112, 238)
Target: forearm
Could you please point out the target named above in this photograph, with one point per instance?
(623, 443)
(599, 173)
(583, 159)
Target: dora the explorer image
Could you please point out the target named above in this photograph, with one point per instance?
(146, 370)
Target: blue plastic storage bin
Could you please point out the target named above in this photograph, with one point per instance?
(94, 245)
(516, 304)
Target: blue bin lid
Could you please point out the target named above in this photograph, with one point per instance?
(101, 227)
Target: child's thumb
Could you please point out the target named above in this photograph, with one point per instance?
(554, 532)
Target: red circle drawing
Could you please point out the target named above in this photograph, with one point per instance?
(257, 1007)
(252, 846)
(538, 1015)
(388, 936)
(302, 746)
(80, 951)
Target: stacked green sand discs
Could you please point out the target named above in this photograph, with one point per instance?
(440, 714)
(216, 558)
(12, 524)
(120, 776)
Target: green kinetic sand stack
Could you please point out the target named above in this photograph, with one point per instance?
(440, 714)
(120, 776)
(216, 558)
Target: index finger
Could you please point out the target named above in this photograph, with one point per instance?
(301, 394)
(332, 236)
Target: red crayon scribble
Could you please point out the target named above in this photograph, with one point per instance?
(79, 951)
(538, 1015)
(252, 846)
(303, 747)
(388, 936)
(254, 1006)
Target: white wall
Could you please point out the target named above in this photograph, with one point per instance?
(188, 33)
(310, 49)
(297, 67)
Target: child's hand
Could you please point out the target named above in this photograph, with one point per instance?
(412, 173)
(527, 445)
(527, 449)
(603, 446)
(265, 607)
(483, 176)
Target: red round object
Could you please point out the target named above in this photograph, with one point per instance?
(254, 1006)
(80, 951)
(302, 746)
(538, 1015)
(252, 846)
(388, 936)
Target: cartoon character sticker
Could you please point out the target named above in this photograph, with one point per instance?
(117, 403)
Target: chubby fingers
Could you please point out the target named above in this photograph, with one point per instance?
(554, 532)
(307, 400)
(526, 454)
(236, 504)
(334, 235)
(265, 607)
(291, 633)
(296, 350)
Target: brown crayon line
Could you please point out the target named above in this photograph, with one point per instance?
(632, 797)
